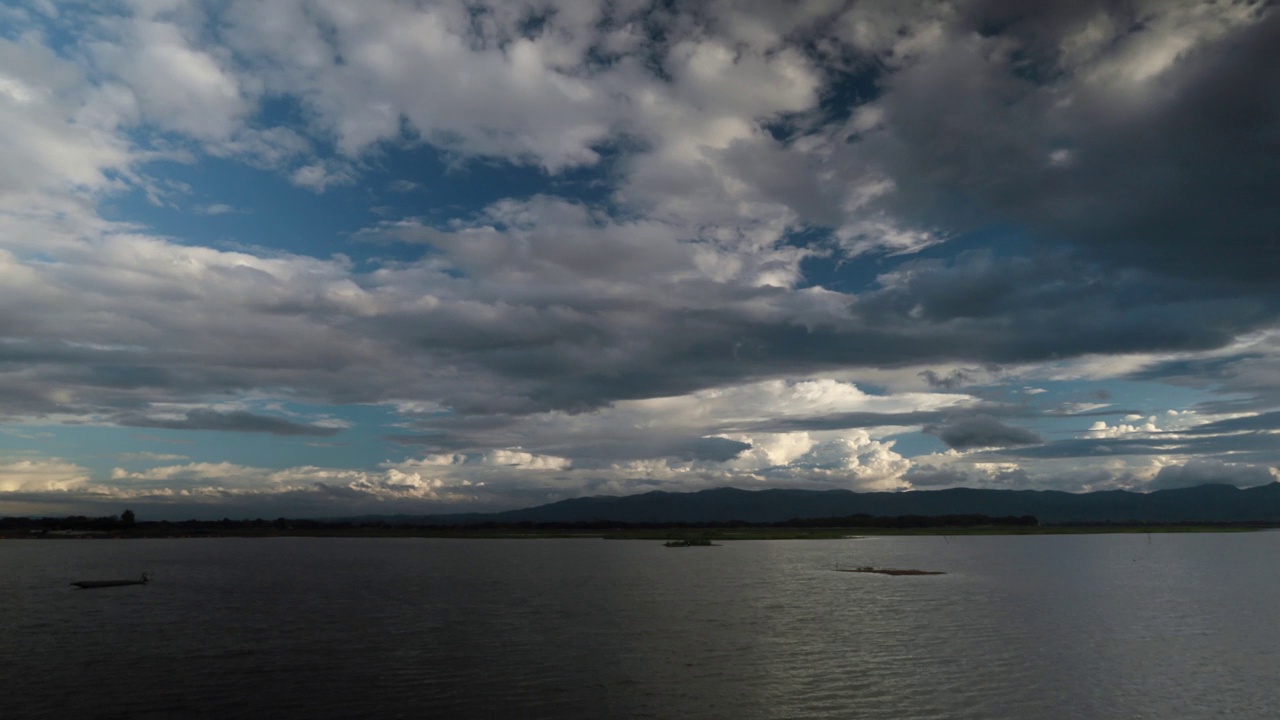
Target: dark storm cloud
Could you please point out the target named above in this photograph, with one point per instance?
(1030, 308)
(1175, 172)
(529, 328)
(128, 376)
(1192, 371)
(567, 348)
(981, 431)
(1164, 199)
(954, 380)
(697, 350)
(18, 399)
(234, 421)
(978, 307)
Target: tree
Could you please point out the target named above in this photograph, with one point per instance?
(127, 519)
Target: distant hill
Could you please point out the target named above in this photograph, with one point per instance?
(1204, 503)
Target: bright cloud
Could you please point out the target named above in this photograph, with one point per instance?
(42, 475)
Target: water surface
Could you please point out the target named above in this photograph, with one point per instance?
(1104, 626)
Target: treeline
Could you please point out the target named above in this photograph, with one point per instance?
(847, 521)
(914, 521)
(107, 523)
(127, 522)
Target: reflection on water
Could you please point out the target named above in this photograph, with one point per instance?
(1176, 626)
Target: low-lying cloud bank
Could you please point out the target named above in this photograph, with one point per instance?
(507, 480)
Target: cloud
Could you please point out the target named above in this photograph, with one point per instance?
(731, 293)
(1087, 83)
(320, 176)
(1100, 429)
(1204, 471)
(952, 381)
(315, 488)
(544, 240)
(929, 477)
(469, 81)
(715, 449)
(217, 209)
(221, 473)
(177, 85)
(403, 186)
(150, 457)
(56, 137)
(1258, 422)
(725, 212)
(42, 475)
(234, 421)
(982, 431)
(726, 418)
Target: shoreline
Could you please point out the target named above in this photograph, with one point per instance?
(651, 533)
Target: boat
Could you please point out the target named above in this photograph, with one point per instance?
(91, 584)
(888, 571)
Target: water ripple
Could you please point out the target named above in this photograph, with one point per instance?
(1034, 627)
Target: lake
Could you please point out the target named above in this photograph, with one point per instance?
(1074, 626)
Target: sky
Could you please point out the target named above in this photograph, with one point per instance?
(323, 258)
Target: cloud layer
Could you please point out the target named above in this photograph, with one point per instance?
(831, 245)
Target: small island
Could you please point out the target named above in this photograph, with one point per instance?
(690, 542)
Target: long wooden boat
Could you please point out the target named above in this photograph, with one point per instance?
(91, 584)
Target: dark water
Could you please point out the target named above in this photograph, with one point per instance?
(1181, 626)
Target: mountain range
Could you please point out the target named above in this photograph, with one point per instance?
(1203, 503)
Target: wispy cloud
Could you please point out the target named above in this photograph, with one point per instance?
(218, 209)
